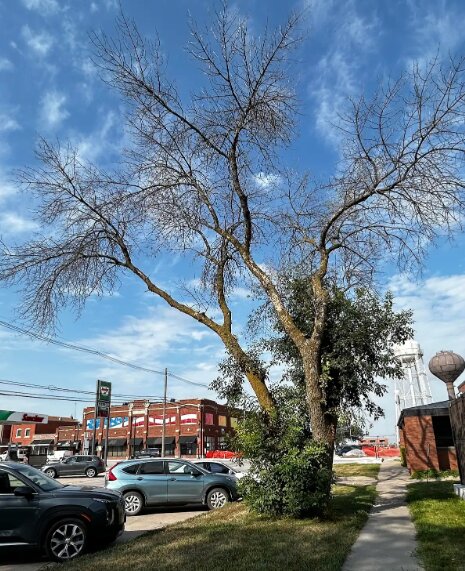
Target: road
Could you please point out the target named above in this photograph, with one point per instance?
(155, 518)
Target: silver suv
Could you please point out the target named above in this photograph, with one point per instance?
(78, 465)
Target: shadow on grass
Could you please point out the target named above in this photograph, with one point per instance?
(439, 517)
(233, 538)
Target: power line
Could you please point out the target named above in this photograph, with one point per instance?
(63, 389)
(94, 352)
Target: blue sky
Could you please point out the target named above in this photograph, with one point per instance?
(49, 87)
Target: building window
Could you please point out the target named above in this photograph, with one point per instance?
(209, 443)
(222, 421)
(209, 418)
(233, 422)
(222, 443)
(27, 432)
(18, 432)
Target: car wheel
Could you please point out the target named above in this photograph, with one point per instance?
(51, 473)
(91, 472)
(66, 539)
(217, 498)
(133, 503)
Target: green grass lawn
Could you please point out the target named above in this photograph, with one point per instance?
(234, 538)
(348, 470)
(439, 517)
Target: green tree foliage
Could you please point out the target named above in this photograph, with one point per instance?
(289, 470)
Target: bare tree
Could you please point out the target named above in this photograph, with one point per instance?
(204, 178)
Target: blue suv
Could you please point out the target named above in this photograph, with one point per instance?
(39, 512)
(150, 482)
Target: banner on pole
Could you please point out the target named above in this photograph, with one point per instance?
(103, 398)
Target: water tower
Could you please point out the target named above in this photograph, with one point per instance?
(413, 388)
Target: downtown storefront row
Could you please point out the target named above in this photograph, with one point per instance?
(192, 428)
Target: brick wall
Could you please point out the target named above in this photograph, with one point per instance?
(419, 442)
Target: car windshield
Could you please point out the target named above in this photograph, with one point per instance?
(39, 478)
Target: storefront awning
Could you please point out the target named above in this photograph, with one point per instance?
(45, 442)
(116, 442)
(188, 440)
(136, 441)
(63, 444)
(157, 441)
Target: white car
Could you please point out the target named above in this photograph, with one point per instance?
(216, 467)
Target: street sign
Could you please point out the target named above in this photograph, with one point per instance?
(14, 417)
(103, 398)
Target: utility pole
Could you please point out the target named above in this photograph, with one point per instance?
(163, 428)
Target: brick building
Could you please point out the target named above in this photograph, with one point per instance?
(426, 434)
(192, 428)
(41, 437)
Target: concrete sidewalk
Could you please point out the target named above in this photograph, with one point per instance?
(387, 542)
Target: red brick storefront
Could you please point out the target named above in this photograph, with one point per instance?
(40, 435)
(426, 434)
(192, 428)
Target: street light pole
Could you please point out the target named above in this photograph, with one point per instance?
(163, 428)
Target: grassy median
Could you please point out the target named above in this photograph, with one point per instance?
(439, 518)
(354, 470)
(234, 538)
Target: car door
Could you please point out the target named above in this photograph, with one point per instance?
(183, 487)
(152, 480)
(68, 467)
(18, 514)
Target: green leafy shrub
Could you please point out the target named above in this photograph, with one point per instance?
(294, 485)
(433, 474)
(289, 472)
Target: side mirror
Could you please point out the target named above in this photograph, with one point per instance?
(194, 472)
(24, 491)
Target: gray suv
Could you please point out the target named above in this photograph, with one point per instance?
(78, 465)
(165, 481)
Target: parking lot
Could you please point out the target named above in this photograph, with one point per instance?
(150, 519)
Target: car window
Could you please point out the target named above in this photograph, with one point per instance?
(179, 468)
(131, 469)
(218, 468)
(204, 465)
(38, 478)
(8, 483)
(152, 468)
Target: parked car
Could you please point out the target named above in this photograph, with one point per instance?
(58, 456)
(14, 454)
(78, 465)
(343, 450)
(146, 482)
(216, 467)
(39, 512)
(148, 453)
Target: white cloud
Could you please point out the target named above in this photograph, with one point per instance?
(438, 304)
(266, 180)
(434, 29)
(106, 139)
(337, 75)
(42, 6)
(5, 64)
(8, 123)
(52, 111)
(7, 189)
(12, 223)
(93, 7)
(111, 4)
(40, 42)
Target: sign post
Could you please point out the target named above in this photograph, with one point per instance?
(102, 410)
